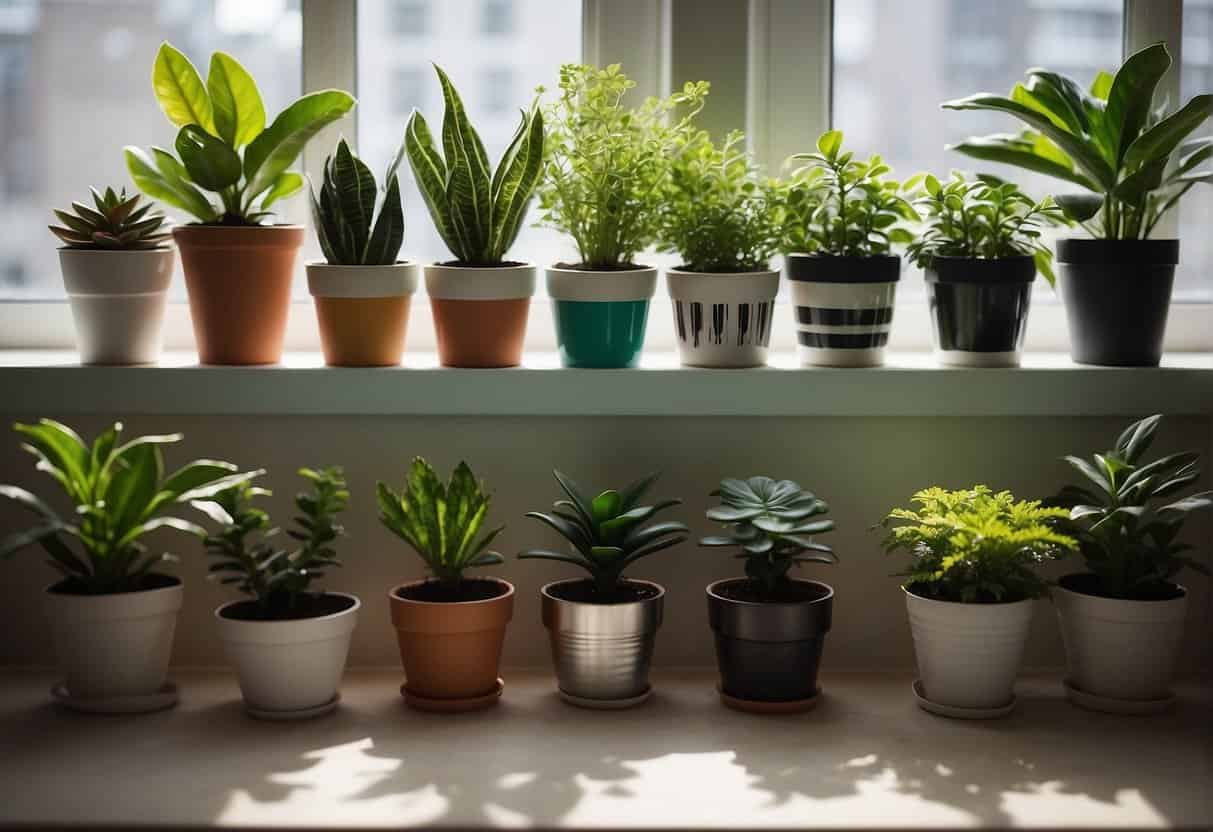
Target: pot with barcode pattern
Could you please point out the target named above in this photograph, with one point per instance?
(843, 307)
(723, 319)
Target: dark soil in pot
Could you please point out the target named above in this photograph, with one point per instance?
(437, 592)
(1088, 583)
(72, 586)
(584, 592)
(306, 606)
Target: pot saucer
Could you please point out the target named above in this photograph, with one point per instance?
(452, 706)
(1109, 705)
(755, 706)
(606, 704)
(166, 697)
(957, 712)
(287, 716)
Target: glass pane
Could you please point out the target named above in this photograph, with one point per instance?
(1195, 275)
(75, 88)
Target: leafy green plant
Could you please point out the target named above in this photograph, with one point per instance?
(975, 546)
(477, 212)
(841, 206)
(117, 222)
(119, 494)
(986, 218)
(223, 146)
(718, 212)
(441, 522)
(343, 213)
(607, 533)
(1132, 159)
(606, 164)
(274, 577)
(771, 521)
(1128, 522)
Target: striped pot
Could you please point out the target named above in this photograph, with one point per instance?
(844, 308)
(723, 319)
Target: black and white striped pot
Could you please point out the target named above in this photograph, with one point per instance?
(979, 309)
(723, 319)
(844, 307)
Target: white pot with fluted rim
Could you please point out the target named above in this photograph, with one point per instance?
(117, 300)
(480, 312)
(723, 319)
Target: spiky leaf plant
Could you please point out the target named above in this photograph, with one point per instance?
(343, 213)
(116, 222)
(607, 533)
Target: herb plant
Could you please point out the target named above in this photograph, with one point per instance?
(606, 164)
(771, 521)
(1128, 522)
(343, 213)
(119, 494)
(1132, 159)
(976, 546)
(223, 146)
(117, 222)
(840, 206)
(607, 533)
(477, 212)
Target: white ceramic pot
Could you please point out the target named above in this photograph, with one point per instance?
(449, 282)
(114, 645)
(325, 280)
(117, 300)
(1120, 649)
(723, 319)
(844, 308)
(286, 666)
(968, 654)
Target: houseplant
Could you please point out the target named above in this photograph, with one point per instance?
(970, 591)
(362, 292)
(1122, 620)
(111, 616)
(480, 300)
(842, 225)
(725, 221)
(117, 267)
(603, 628)
(770, 628)
(288, 643)
(238, 271)
(450, 628)
(605, 170)
(981, 250)
(1134, 166)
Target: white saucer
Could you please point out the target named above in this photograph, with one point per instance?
(955, 712)
(166, 697)
(1108, 705)
(606, 704)
(287, 716)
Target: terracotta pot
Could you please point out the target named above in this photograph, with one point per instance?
(362, 311)
(451, 650)
(117, 300)
(480, 312)
(239, 284)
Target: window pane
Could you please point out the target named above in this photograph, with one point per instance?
(1195, 275)
(75, 88)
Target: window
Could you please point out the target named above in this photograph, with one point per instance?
(497, 17)
(499, 90)
(409, 18)
(408, 89)
(1194, 278)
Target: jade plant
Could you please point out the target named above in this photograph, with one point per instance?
(224, 147)
(1130, 157)
(343, 212)
(975, 546)
(772, 522)
(115, 222)
(478, 212)
(244, 551)
(607, 533)
(119, 494)
(607, 164)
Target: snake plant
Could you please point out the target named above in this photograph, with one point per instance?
(343, 212)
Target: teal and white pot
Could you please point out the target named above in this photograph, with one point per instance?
(723, 319)
(600, 315)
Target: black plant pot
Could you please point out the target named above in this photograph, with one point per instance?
(979, 308)
(769, 652)
(1117, 294)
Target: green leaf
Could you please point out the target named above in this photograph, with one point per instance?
(61, 448)
(1022, 152)
(469, 186)
(177, 523)
(1131, 94)
(356, 193)
(277, 147)
(210, 162)
(238, 112)
(1101, 85)
(179, 89)
(132, 486)
(287, 184)
(514, 184)
(829, 143)
(429, 170)
(605, 506)
(384, 246)
(1158, 141)
(1079, 207)
(178, 193)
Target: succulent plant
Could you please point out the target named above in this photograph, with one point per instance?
(771, 521)
(344, 212)
(607, 533)
(117, 222)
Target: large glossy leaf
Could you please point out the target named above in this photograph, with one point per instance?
(277, 147)
(469, 185)
(178, 193)
(384, 246)
(1158, 141)
(180, 91)
(514, 183)
(1131, 94)
(61, 448)
(1079, 207)
(429, 169)
(211, 164)
(287, 184)
(177, 523)
(1020, 151)
(238, 112)
(132, 486)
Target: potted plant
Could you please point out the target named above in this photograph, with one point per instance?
(602, 628)
(116, 268)
(981, 250)
(362, 291)
(725, 221)
(970, 591)
(843, 216)
(770, 628)
(1122, 620)
(450, 629)
(1135, 166)
(111, 615)
(480, 300)
(604, 177)
(288, 643)
(238, 271)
